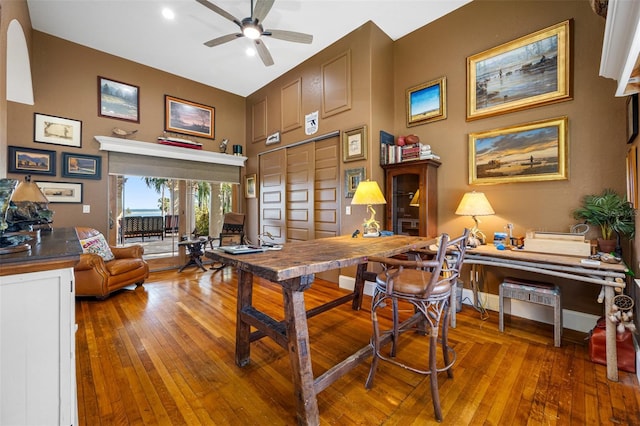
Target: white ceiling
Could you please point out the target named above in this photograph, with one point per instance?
(136, 30)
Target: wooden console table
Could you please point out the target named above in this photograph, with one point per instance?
(293, 268)
(608, 275)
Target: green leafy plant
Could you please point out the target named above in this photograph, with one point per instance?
(611, 212)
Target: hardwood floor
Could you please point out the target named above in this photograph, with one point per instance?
(164, 354)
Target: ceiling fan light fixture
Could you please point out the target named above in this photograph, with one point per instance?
(251, 31)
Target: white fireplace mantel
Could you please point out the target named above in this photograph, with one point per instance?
(128, 146)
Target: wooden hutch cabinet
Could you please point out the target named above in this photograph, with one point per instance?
(406, 213)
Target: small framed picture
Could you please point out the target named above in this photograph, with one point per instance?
(118, 100)
(57, 130)
(352, 177)
(32, 161)
(632, 117)
(250, 186)
(427, 102)
(61, 192)
(81, 166)
(354, 144)
(189, 118)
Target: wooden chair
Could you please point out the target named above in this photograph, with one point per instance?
(427, 285)
(232, 233)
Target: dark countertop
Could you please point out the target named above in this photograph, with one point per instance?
(58, 248)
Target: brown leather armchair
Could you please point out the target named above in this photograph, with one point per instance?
(95, 277)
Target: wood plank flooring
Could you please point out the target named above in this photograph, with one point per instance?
(163, 354)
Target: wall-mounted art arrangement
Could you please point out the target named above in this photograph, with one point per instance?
(250, 186)
(81, 166)
(531, 71)
(354, 144)
(352, 177)
(118, 100)
(632, 117)
(32, 161)
(189, 118)
(528, 152)
(57, 130)
(427, 102)
(61, 192)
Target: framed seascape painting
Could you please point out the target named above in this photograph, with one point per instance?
(32, 161)
(81, 166)
(531, 71)
(118, 100)
(57, 130)
(427, 102)
(189, 118)
(61, 192)
(529, 152)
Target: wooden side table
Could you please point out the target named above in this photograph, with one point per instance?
(195, 250)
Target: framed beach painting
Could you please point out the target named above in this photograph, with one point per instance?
(528, 152)
(427, 102)
(61, 192)
(189, 118)
(118, 100)
(81, 166)
(531, 71)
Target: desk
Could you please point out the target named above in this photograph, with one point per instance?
(194, 251)
(607, 275)
(293, 268)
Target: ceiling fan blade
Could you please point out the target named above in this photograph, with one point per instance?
(220, 12)
(224, 39)
(263, 52)
(289, 36)
(261, 9)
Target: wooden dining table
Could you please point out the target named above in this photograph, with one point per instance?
(294, 267)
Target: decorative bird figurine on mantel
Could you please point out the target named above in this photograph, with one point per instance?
(123, 133)
(223, 146)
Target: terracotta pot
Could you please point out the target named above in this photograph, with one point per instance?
(606, 246)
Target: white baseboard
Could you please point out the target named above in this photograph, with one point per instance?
(572, 320)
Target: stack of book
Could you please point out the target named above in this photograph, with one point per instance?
(184, 143)
(391, 154)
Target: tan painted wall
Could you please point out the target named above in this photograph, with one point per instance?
(65, 84)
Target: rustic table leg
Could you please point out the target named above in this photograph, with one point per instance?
(243, 330)
(612, 350)
(358, 289)
(300, 357)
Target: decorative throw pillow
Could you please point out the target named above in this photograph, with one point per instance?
(99, 246)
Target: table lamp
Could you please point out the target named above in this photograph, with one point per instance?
(368, 193)
(475, 204)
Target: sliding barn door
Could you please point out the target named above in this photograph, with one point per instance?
(272, 194)
(327, 188)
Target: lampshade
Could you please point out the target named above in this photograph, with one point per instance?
(368, 192)
(28, 191)
(474, 204)
(415, 201)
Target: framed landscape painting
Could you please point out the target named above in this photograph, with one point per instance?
(529, 152)
(118, 100)
(81, 166)
(189, 118)
(57, 130)
(427, 102)
(32, 161)
(61, 192)
(531, 71)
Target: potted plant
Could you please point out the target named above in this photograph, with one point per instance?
(612, 213)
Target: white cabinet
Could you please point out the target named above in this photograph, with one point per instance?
(37, 348)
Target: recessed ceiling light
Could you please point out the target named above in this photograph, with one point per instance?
(168, 13)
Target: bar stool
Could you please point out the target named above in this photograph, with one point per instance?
(533, 292)
(426, 284)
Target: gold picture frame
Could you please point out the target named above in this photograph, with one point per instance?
(250, 186)
(530, 71)
(352, 177)
(535, 151)
(354, 144)
(427, 102)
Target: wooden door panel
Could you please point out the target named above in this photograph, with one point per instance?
(272, 194)
(300, 161)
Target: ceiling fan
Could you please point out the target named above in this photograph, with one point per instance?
(251, 28)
